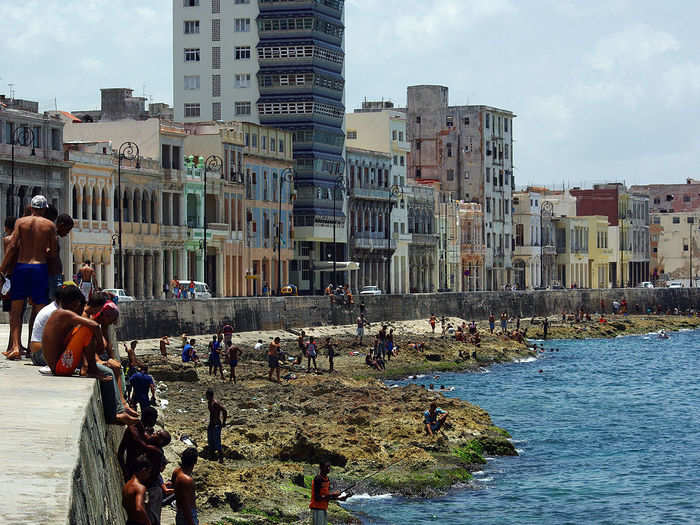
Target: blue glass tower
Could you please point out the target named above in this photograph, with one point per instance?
(301, 67)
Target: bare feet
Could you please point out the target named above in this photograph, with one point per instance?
(131, 411)
(14, 356)
(105, 378)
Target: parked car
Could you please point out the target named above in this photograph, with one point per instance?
(289, 289)
(370, 290)
(674, 284)
(201, 290)
(645, 284)
(119, 294)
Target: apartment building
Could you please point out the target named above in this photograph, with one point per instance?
(469, 149)
(472, 247)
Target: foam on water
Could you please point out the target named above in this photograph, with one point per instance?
(378, 497)
(526, 360)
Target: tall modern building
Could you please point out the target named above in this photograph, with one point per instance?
(278, 63)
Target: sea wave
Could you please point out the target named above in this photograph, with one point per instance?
(526, 360)
(356, 497)
(478, 473)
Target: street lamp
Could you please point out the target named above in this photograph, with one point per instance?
(546, 210)
(23, 139)
(338, 184)
(129, 151)
(287, 175)
(213, 163)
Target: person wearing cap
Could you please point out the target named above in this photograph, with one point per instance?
(32, 244)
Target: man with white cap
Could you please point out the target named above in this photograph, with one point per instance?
(32, 244)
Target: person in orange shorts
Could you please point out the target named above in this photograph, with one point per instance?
(67, 338)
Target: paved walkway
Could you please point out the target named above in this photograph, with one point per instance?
(41, 422)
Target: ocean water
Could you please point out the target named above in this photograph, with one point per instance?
(608, 432)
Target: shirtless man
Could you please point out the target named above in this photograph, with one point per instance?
(184, 489)
(32, 244)
(233, 352)
(134, 493)
(273, 358)
(87, 274)
(217, 420)
(164, 341)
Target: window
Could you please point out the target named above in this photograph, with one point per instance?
(505, 124)
(243, 108)
(519, 234)
(450, 174)
(396, 160)
(657, 201)
(254, 141)
(281, 148)
(488, 120)
(191, 54)
(216, 110)
(488, 174)
(686, 198)
(273, 144)
(242, 53)
(241, 25)
(691, 220)
(676, 220)
(352, 135)
(215, 7)
(394, 134)
(488, 148)
(216, 86)
(215, 30)
(418, 174)
(192, 82)
(402, 160)
(400, 136)
(263, 142)
(418, 120)
(190, 3)
(506, 150)
(242, 80)
(657, 219)
(216, 58)
(466, 121)
(55, 140)
(238, 2)
(449, 149)
(192, 110)
(191, 27)
(450, 122)
(417, 144)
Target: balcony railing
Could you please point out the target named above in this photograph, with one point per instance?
(424, 238)
(370, 193)
(364, 243)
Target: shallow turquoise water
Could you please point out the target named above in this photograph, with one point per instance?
(609, 432)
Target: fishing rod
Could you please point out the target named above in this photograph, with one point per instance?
(374, 474)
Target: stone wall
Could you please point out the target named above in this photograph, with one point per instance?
(96, 492)
(150, 319)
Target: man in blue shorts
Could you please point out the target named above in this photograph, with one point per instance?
(215, 357)
(142, 383)
(434, 418)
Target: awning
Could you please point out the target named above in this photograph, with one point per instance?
(340, 266)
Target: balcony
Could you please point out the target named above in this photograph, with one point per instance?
(366, 243)
(172, 232)
(300, 25)
(427, 239)
(329, 7)
(370, 193)
(218, 226)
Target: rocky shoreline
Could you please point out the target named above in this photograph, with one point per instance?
(277, 433)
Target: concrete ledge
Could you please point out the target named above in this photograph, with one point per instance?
(58, 456)
(149, 319)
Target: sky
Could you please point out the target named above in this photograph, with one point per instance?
(604, 91)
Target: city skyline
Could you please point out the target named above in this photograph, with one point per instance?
(586, 78)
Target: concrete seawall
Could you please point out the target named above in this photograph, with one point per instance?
(148, 319)
(58, 458)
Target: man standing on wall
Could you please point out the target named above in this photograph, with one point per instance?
(32, 244)
(88, 282)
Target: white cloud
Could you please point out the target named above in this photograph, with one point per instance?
(633, 46)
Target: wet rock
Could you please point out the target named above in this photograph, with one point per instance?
(433, 357)
(234, 501)
(497, 446)
(305, 451)
(173, 372)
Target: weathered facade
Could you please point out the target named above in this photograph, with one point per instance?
(472, 248)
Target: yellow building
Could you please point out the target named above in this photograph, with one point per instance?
(601, 252)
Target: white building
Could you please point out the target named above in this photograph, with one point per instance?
(214, 60)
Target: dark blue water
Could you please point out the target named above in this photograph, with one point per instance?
(609, 432)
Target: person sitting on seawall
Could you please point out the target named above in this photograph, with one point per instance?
(67, 299)
(434, 418)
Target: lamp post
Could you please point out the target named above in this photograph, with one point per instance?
(212, 163)
(129, 151)
(546, 210)
(287, 175)
(338, 184)
(23, 139)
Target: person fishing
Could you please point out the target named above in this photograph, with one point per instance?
(321, 495)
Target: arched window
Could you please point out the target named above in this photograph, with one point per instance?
(74, 207)
(85, 203)
(145, 207)
(153, 208)
(103, 205)
(275, 184)
(137, 207)
(94, 204)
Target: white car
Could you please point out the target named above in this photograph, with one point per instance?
(370, 290)
(646, 284)
(675, 284)
(120, 295)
